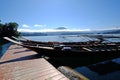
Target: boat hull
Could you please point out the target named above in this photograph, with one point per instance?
(83, 60)
(69, 53)
(89, 54)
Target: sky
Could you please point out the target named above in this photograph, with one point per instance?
(53, 15)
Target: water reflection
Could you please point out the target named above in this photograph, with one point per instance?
(60, 38)
(107, 70)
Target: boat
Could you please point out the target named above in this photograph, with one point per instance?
(100, 41)
(70, 50)
(51, 43)
(26, 41)
(68, 54)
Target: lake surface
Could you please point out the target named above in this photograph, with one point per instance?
(71, 38)
(106, 70)
(60, 38)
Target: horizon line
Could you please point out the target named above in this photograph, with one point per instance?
(64, 30)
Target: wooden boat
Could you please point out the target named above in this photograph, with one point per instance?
(90, 43)
(26, 41)
(70, 50)
(51, 44)
(68, 54)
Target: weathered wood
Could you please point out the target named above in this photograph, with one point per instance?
(72, 74)
(87, 49)
(12, 40)
(19, 63)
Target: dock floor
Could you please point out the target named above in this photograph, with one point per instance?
(19, 63)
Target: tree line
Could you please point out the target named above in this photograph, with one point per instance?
(9, 29)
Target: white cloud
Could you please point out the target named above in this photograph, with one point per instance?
(25, 30)
(38, 25)
(25, 26)
(109, 28)
(51, 30)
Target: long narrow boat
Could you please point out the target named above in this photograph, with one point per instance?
(26, 41)
(71, 50)
(89, 43)
(73, 53)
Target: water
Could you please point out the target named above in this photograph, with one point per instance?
(106, 70)
(71, 38)
(3, 48)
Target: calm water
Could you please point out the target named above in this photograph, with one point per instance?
(107, 70)
(69, 38)
(60, 38)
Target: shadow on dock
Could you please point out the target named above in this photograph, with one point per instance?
(34, 56)
(22, 51)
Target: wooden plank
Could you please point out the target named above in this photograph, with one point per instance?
(22, 64)
(87, 49)
(72, 74)
(12, 40)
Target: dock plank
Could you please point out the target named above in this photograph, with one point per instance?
(19, 63)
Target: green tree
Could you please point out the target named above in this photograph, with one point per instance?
(1, 28)
(10, 29)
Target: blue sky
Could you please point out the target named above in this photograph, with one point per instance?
(47, 15)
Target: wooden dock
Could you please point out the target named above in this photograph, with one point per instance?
(19, 63)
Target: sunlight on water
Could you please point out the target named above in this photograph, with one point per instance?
(60, 38)
(71, 38)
